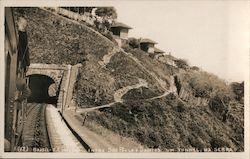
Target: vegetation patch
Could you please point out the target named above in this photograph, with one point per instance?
(139, 94)
(166, 124)
(52, 39)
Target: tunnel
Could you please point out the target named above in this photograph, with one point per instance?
(43, 89)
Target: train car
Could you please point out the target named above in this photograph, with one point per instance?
(14, 111)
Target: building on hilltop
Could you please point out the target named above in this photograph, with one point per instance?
(120, 32)
(147, 45)
(120, 29)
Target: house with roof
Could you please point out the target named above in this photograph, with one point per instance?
(120, 29)
(147, 45)
(120, 32)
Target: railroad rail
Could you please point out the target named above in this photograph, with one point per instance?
(46, 131)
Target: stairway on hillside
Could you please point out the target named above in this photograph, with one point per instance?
(161, 82)
(106, 58)
(121, 92)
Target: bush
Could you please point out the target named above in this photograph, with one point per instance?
(180, 107)
(195, 68)
(238, 90)
(109, 35)
(140, 93)
(171, 96)
(181, 63)
(106, 12)
(200, 87)
(134, 43)
(217, 142)
(126, 47)
(196, 142)
(219, 103)
(203, 84)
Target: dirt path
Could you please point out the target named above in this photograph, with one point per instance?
(142, 83)
(117, 96)
(172, 89)
(121, 92)
(106, 58)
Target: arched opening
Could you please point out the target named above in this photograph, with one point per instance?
(43, 89)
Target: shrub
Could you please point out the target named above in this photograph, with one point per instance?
(109, 35)
(217, 142)
(200, 87)
(126, 47)
(219, 103)
(238, 90)
(140, 93)
(133, 42)
(170, 141)
(195, 68)
(181, 63)
(171, 96)
(196, 142)
(106, 12)
(180, 107)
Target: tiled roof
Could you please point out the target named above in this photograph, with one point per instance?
(120, 25)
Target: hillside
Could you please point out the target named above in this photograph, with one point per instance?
(146, 110)
(53, 39)
(171, 123)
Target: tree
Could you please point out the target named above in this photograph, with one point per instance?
(106, 16)
(201, 87)
(217, 142)
(133, 42)
(195, 68)
(238, 90)
(181, 63)
(106, 12)
(219, 102)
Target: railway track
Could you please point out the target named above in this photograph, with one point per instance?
(35, 136)
(45, 131)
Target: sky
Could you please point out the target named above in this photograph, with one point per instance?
(210, 34)
(213, 35)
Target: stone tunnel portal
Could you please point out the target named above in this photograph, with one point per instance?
(43, 89)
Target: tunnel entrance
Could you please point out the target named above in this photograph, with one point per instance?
(43, 89)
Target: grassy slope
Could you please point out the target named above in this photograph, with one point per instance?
(163, 123)
(163, 71)
(166, 123)
(53, 39)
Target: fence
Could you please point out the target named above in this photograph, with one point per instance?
(87, 18)
(195, 101)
